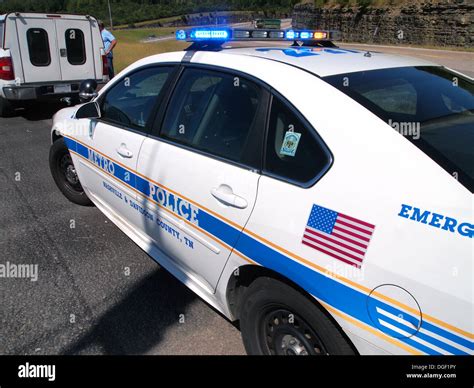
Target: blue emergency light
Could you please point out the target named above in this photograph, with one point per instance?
(225, 34)
(209, 34)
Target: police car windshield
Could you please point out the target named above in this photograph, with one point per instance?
(429, 105)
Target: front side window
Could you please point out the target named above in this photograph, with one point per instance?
(38, 47)
(131, 100)
(431, 106)
(75, 46)
(293, 150)
(216, 113)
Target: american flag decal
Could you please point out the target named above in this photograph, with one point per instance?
(340, 236)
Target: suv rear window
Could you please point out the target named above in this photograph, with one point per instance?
(2, 26)
(38, 47)
(431, 106)
(75, 46)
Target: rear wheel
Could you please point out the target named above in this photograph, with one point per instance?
(65, 175)
(276, 319)
(6, 108)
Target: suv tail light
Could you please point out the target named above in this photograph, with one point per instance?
(105, 65)
(6, 69)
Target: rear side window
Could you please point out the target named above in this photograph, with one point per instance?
(294, 151)
(216, 113)
(75, 46)
(431, 106)
(38, 47)
(131, 100)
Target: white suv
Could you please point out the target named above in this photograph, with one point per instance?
(270, 180)
(47, 56)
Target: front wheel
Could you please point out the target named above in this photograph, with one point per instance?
(276, 319)
(65, 175)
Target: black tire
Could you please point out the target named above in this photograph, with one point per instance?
(6, 108)
(64, 174)
(276, 319)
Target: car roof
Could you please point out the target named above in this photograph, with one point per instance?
(47, 15)
(327, 61)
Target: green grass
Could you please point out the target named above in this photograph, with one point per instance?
(137, 34)
(130, 47)
(146, 23)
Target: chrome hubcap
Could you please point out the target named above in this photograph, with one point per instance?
(286, 333)
(291, 346)
(71, 175)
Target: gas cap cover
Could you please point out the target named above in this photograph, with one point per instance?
(391, 319)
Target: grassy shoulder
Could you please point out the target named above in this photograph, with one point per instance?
(130, 47)
(154, 22)
(147, 23)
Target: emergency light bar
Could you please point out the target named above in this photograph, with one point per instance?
(225, 34)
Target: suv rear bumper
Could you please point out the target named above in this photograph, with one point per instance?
(35, 92)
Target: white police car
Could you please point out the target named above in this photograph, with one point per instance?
(321, 196)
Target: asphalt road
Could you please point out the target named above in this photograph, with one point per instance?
(462, 61)
(83, 302)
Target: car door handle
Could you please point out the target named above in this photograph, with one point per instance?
(225, 194)
(124, 151)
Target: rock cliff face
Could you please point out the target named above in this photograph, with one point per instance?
(443, 24)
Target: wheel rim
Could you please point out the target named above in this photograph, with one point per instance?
(68, 172)
(286, 333)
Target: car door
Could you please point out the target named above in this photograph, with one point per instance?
(110, 146)
(76, 51)
(290, 197)
(200, 175)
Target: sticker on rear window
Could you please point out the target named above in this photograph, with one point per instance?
(290, 143)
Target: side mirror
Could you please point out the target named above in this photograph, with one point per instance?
(87, 90)
(90, 110)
